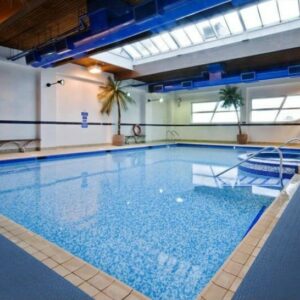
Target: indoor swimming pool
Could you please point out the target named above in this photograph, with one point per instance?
(155, 218)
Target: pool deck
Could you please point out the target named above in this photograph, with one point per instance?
(100, 285)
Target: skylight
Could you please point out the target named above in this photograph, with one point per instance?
(249, 18)
(269, 12)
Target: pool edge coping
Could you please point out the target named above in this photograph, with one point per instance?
(225, 282)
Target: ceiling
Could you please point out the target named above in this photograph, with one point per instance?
(28, 23)
(235, 66)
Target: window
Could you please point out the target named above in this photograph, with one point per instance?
(212, 112)
(279, 109)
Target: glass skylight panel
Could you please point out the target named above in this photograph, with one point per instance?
(160, 43)
(169, 41)
(220, 26)
(288, 115)
(132, 52)
(142, 49)
(265, 103)
(206, 30)
(263, 116)
(202, 117)
(194, 34)
(225, 117)
(234, 23)
(292, 102)
(269, 12)
(289, 9)
(251, 17)
(204, 106)
(150, 47)
(181, 37)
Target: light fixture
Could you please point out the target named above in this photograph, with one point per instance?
(178, 101)
(61, 82)
(94, 69)
(161, 100)
(128, 94)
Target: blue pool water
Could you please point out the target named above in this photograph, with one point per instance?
(148, 217)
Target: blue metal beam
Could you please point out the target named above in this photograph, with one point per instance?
(107, 32)
(198, 83)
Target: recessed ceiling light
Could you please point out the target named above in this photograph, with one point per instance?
(95, 69)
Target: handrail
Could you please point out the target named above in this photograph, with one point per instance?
(173, 134)
(255, 154)
(289, 142)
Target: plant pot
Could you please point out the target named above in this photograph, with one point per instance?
(118, 140)
(242, 138)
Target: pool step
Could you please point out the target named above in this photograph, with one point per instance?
(268, 167)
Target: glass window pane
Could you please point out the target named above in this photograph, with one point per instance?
(205, 106)
(202, 117)
(269, 12)
(251, 17)
(292, 101)
(141, 49)
(160, 43)
(132, 52)
(288, 115)
(289, 9)
(225, 117)
(181, 37)
(234, 22)
(206, 30)
(267, 103)
(220, 26)
(221, 108)
(169, 41)
(150, 47)
(193, 34)
(263, 116)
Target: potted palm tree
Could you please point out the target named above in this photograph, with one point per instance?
(113, 93)
(231, 96)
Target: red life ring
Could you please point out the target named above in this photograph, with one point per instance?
(137, 130)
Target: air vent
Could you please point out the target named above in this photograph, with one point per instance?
(187, 84)
(32, 57)
(248, 76)
(63, 46)
(294, 70)
(145, 11)
(158, 88)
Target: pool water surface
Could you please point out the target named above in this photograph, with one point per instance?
(143, 216)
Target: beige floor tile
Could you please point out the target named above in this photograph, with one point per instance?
(229, 295)
(61, 257)
(101, 281)
(240, 257)
(89, 289)
(73, 264)
(102, 296)
(50, 263)
(74, 279)
(40, 256)
(214, 292)
(236, 284)
(61, 271)
(117, 291)
(233, 268)
(86, 272)
(224, 279)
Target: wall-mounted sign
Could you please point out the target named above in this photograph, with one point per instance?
(84, 122)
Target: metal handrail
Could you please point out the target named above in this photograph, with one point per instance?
(289, 142)
(255, 154)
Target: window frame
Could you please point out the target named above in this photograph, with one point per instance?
(213, 112)
(278, 109)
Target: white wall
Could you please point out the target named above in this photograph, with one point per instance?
(182, 114)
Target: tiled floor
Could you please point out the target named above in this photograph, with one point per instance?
(104, 287)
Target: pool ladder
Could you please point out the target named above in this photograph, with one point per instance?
(172, 135)
(255, 154)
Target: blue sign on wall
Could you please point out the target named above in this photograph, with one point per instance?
(84, 122)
